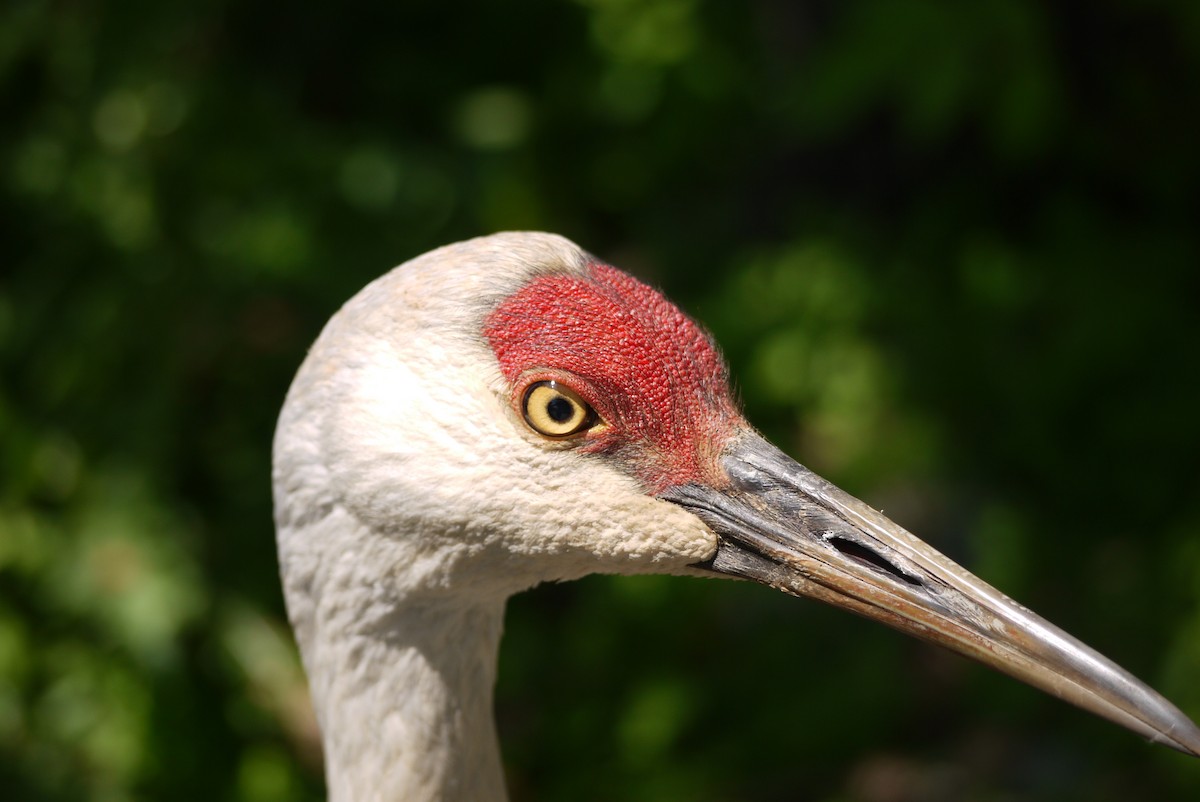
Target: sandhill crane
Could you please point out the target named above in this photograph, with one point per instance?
(508, 411)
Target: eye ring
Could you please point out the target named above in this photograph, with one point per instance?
(553, 410)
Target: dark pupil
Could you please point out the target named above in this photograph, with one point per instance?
(560, 410)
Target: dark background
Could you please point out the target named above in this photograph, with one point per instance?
(951, 251)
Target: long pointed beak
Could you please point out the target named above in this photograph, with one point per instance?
(782, 525)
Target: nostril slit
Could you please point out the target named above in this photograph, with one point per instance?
(863, 555)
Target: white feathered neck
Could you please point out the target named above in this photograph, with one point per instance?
(411, 502)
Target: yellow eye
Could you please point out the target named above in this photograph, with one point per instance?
(555, 411)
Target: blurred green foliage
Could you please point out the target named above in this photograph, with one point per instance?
(952, 252)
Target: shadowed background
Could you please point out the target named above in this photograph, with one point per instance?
(951, 252)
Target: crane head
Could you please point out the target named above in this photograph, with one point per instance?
(510, 410)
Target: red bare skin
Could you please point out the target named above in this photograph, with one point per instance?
(652, 375)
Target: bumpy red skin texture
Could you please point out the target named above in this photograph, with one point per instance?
(652, 375)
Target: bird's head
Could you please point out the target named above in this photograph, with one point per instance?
(510, 410)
